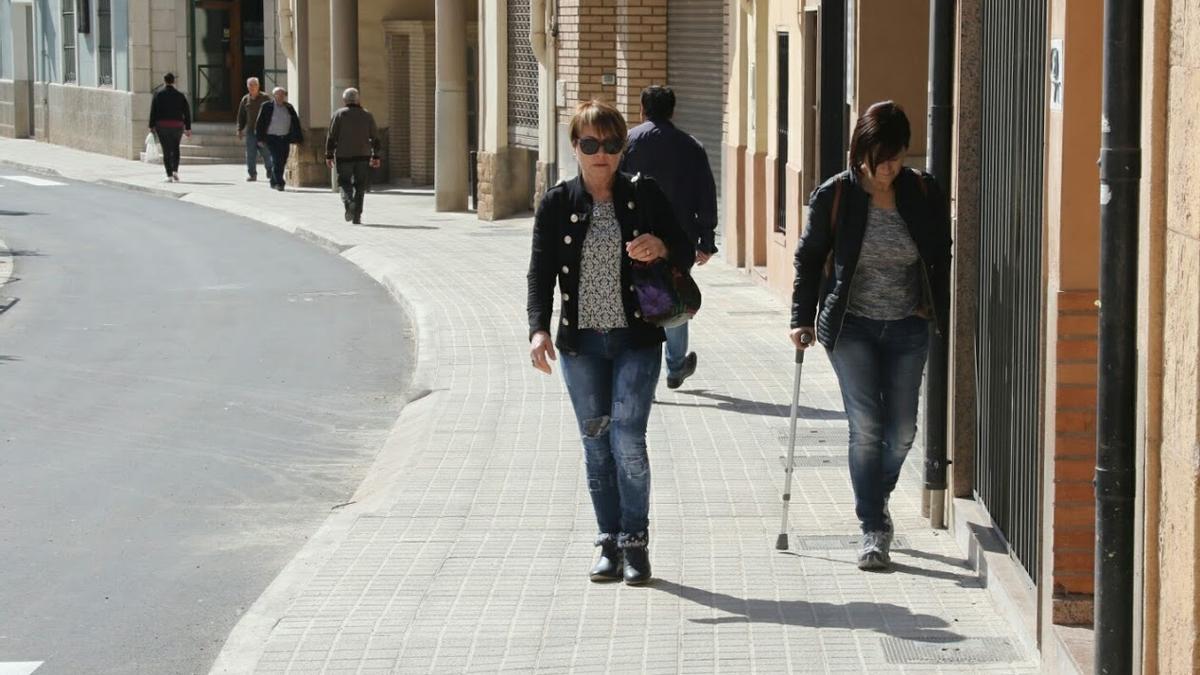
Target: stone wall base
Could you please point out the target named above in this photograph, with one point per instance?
(506, 182)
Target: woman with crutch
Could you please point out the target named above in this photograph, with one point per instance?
(587, 233)
(872, 278)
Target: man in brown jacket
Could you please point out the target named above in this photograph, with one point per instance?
(247, 114)
(353, 147)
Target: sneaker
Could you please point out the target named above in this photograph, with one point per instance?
(175, 176)
(168, 179)
(873, 556)
(689, 369)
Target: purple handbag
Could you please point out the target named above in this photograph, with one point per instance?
(667, 296)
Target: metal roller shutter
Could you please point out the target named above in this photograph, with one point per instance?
(696, 71)
(522, 78)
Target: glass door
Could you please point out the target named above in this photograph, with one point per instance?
(217, 49)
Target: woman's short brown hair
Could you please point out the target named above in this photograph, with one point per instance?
(882, 132)
(603, 118)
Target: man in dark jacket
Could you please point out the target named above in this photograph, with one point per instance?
(247, 116)
(170, 120)
(677, 161)
(277, 127)
(354, 142)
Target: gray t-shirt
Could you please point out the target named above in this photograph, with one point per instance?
(281, 121)
(601, 304)
(887, 281)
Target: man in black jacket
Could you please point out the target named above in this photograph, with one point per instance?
(354, 142)
(277, 127)
(677, 161)
(170, 120)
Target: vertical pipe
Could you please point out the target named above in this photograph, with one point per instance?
(940, 139)
(1120, 173)
(833, 88)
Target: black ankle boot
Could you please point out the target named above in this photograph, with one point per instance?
(608, 568)
(637, 565)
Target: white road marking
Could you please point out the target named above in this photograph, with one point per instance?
(19, 667)
(39, 182)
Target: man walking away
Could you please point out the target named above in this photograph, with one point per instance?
(354, 141)
(247, 116)
(277, 127)
(170, 120)
(677, 161)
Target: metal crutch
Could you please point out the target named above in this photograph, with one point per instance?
(781, 543)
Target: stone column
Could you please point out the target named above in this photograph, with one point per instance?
(450, 128)
(343, 49)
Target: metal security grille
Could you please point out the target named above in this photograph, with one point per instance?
(1008, 344)
(522, 78)
(696, 72)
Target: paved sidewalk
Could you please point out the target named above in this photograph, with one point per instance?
(467, 547)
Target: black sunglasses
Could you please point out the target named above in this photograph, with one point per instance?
(591, 146)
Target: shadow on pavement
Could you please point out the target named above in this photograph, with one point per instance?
(748, 407)
(962, 580)
(880, 617)
(4, 212)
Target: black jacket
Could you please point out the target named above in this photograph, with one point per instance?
(559, 228)
(920, 203)
(170, 104)
(295, 135)
(662, 151)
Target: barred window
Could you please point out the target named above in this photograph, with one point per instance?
(68, 41)
(104, 41)
(522, 78)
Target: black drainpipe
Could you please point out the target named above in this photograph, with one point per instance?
(941, 118)
(1120, 173)
(832, 126)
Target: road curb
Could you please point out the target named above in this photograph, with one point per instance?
(31, 168)
(134, 187)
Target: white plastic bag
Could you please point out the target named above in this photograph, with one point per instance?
(153, 152)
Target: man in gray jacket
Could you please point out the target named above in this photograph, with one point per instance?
(353, 147)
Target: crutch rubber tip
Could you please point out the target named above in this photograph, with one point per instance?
(781, 543)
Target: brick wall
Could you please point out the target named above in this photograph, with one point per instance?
(641, 52)
(1075, 457)
(412, 55)
(586, 50)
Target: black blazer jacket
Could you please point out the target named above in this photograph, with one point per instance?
(920, 203)
(295, 134)
(559, 229)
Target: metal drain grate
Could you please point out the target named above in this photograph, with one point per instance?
(967, 651)
(817, 461)
(810, 437)
(837, 542)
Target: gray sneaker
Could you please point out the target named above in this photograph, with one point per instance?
(874, 556)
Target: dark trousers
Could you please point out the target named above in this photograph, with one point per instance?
(354, 178)
(279, 148)
(169, 138)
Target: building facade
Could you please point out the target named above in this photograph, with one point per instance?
(1024, 187)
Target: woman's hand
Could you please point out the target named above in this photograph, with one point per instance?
(541, 351)
(646, 248)
(803, 337)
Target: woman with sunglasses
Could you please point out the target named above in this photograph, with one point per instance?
(587, 233)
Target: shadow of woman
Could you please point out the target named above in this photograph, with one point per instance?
(881, 617)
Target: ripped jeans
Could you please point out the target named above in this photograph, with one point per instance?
(611, 385)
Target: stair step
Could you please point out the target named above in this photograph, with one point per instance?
(199, 161)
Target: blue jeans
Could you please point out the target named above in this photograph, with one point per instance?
(677, 348)
(252, 153)
(611, 385)
(879, 365)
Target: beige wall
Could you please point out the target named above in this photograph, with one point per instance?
(1179, 604)
(96, 120)
(892, 62)
(7, 109)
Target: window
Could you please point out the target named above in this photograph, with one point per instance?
(808, 140)
(104, 49)
(68, 42)
(781, 132)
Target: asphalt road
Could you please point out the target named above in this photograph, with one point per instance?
(184, 396)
